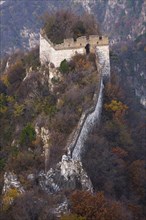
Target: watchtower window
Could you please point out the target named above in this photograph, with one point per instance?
(100, 38)
(97, 42)
(87, 47)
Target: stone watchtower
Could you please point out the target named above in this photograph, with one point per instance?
(56, 53)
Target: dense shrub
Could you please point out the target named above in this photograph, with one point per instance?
(2, 163)
(31, 59)
(81, 62)
(21, 162)
(72, 217)
(32, 204)
(65, 24)
(8, 198)
(97, 207)
(64, 66)
(16, 72)
(27, 135)
(3, 103)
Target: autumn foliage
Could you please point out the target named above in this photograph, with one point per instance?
(117, 108)
(97, 207)
(65, 24)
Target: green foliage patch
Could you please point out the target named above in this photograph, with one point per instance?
(27, 135)
(64, 66)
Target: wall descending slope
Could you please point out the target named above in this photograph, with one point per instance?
(103, 60)
(69, 173)
(92, 115)
(90, 120)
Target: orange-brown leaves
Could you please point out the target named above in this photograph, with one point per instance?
(97, 207)
(137, 173)
(80, 62)
(119, 152)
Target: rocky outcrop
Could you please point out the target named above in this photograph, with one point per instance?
(11, 182)
(67, 175)
(44, 134)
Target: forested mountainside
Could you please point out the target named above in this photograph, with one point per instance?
(40, 106)
(38, 111)
(20, 20)
(130, 63)
(123, 21)
(35, 110)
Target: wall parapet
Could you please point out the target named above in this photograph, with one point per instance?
(80, 42)
(90, 116)
(56, 53)
(72, 141)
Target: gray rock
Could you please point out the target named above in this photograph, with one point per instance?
(11, 181)
(31, 177)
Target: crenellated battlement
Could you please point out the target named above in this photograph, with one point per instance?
(70, 43)
(55, 53)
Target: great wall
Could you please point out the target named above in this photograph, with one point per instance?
(70, 169)
(69, 172)
(55, 53)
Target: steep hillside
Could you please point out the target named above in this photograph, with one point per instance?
(40, 107)
(20, 20)
(123, 21)
(38, 112)
(130, 62)
(38, 104)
